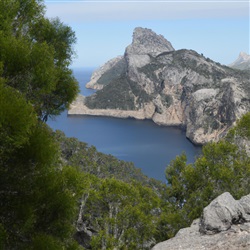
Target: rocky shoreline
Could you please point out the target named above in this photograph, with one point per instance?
(171, 117)
(78, 107)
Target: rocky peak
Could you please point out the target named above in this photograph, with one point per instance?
(171, 87)
(243, 57)
(145, 41)
(242, 62)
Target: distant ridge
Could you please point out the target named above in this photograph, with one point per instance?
(242, 62)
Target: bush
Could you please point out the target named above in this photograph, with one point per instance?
(222, 167)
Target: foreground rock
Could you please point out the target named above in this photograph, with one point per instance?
(225, 224)
(180, 88)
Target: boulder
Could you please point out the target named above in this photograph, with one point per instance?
(222, 212)
(224, 225)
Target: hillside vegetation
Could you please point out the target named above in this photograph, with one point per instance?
(59, 193)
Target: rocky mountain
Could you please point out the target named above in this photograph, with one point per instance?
(242, 62)
(225, 224)
(172, 87)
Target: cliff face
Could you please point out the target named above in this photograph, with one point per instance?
(182, 88)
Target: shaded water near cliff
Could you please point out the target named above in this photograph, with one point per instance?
(149, 146)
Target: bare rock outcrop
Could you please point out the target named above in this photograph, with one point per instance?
(242, 62)
(225, 224)
(147, 42)
(182, 87)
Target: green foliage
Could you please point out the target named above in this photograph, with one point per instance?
(149, 70)
(15, 126)
(223, 167)
(17, 16)
(242, 128)
(140, 93)
(115, 72)
(114, 96)
(89, 160)
(120, 93)
(180, 58)
(175, 179)
(41, 196)
(139, 199)
(35, 55)
(56, 35)
(167, 100)
(123, 215)
(43, 241)
(38, 200)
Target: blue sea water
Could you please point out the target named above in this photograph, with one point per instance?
(149, 146)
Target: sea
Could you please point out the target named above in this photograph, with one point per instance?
(149, 146)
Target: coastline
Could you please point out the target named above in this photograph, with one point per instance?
(170, 118)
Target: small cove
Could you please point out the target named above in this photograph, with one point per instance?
(149, 146)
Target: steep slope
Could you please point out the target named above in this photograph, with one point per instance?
(242, 62)
(180, 88)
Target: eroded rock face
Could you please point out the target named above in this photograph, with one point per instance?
(147, 42)
(225, 224)
(183, 87)
(224, 211)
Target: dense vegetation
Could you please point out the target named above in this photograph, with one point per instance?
(55, 189)
(121, 93)
(108, 76)
(223, 167)
(37, 198)
(35, 55)
(89, 160)
(36, 203)
(118, 215)
(116, 96)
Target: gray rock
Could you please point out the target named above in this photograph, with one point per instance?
(245, 227)
(245, 203)
(219, 216)
(147, 42)
(242, 62)
(221, 213)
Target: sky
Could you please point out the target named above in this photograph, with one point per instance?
(217, 28)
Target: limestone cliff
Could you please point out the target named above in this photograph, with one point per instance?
(171, 87)
(242, 62)
(225, 224)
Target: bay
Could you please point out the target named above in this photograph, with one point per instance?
(149, 146)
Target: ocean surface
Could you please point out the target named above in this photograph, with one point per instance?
(149, 146)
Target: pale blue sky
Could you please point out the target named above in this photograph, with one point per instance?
(218, 29)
